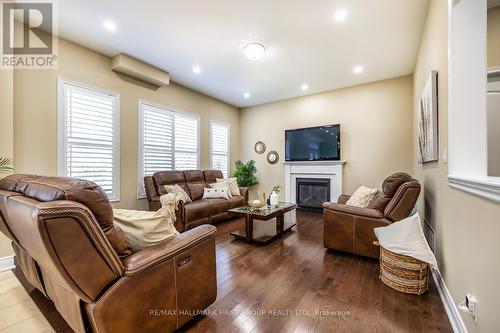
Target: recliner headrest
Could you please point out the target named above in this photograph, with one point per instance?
(393, 182)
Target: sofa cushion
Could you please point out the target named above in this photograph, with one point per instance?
(196, 210)
(196, 191)
(212, 175)
(194, 176)
(163, 178)
(217, 206)
(236, 201)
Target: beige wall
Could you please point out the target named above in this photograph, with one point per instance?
(6, 134)
(376, 131)
(494, 37)
(467, 227)
(35, 116)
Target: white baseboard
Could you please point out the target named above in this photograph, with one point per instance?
(7, 263)
(449, 305)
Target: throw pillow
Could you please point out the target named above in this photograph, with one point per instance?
(222, 185)
(362, 197)
(216, 193)
(232, 183)
(144, 229)
(176, 189)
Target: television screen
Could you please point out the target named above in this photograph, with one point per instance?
(313, 143)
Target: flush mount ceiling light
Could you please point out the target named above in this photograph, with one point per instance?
(246, 95)
(196, 69)
(357, 69)
(340, 15)
(109, 25)
(304, 87)
(254, 51)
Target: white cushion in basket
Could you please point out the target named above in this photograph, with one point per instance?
(406, 237)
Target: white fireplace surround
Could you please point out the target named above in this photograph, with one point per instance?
(315, 169)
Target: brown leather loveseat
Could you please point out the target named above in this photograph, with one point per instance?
(350, 229)
(200, 211)
(67, 246)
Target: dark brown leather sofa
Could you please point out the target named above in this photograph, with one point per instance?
(200, 211)
(66, 245)
(350, 229)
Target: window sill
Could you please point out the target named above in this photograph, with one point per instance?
(483, 187)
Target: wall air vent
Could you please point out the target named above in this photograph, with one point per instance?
(139, 70)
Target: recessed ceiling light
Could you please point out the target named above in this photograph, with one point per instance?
(254, 51)
(340, 15)
(196, 69)
(109, 25)
(246, 95)
(305, 87)
(357, 69)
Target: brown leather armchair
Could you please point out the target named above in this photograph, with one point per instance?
(67, 246)
(350, 229)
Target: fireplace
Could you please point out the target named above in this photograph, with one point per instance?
(311, 193)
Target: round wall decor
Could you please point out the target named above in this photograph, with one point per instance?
(273, 157)
(260, 147)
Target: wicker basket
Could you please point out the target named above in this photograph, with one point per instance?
(403, 273)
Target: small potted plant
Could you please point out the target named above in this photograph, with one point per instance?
(274, 200)
(245, 173)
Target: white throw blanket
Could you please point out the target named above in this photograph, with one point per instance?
(144, 229)
(406, 237)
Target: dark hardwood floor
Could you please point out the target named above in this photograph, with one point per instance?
(294, 284)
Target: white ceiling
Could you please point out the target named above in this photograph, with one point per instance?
(304, 43)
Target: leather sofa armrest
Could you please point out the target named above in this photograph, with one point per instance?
(150, 188)
(244, 192)
(343, 199)
(358, 211)
(147, 258)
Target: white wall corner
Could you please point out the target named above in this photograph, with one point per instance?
(449, 305)
(7, 263)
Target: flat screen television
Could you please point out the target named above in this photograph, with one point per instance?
(321, 143)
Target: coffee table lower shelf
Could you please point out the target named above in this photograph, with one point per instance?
(264, 239)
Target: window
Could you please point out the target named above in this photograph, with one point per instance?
(89, 136)
(168, 140)
(219, 145)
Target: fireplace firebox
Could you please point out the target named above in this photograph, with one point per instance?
(311, 193)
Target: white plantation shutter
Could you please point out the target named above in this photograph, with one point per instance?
(186, 141)
(89, 136)
(219, 143)
(168, 140)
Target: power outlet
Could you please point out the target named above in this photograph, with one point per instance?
(469, 305)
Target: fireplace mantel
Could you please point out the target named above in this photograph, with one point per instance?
(313, 169)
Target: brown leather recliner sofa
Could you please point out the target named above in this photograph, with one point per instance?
(200, 211)
(66, 245)
(350, 229)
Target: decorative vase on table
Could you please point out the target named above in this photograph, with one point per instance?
(274, 199)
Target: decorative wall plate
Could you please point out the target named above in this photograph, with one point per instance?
(260, 147)
(273, 157)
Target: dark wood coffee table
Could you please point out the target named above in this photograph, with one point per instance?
(258, 229)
